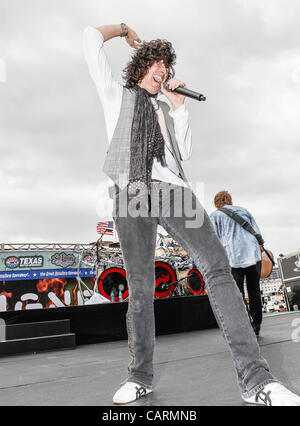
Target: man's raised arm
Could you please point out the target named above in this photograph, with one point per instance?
(108, 87)
(120, 30)
(99, 67)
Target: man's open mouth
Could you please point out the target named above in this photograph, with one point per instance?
(157, 78)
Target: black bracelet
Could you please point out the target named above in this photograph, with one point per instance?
(124, 30)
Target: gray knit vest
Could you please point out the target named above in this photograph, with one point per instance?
(117, 161)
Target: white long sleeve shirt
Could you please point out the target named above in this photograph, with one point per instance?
(110, 93)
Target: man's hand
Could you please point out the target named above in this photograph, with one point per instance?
(175, 98)
(133, 39)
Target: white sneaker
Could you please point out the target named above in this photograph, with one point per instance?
(274, 394)
(129, 392)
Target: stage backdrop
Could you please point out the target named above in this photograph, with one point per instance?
(42, 279)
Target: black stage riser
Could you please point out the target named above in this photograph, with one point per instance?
(29, 337)
(37, 329)
(106, 322)
(37, 344)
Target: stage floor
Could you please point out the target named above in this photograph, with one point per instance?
(191, 369)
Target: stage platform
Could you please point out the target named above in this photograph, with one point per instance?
(191, 369)
(106, 322)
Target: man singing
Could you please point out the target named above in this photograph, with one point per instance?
(148, 141)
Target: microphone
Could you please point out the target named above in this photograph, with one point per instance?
(186, 92)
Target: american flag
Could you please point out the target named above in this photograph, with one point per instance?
(107, 227)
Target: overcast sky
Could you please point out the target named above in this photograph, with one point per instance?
(244, 55)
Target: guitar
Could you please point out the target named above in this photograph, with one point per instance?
(266, 263)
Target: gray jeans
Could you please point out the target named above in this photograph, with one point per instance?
(137, 237)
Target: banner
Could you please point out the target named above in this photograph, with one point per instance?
(44, 293)
(46, 273)
(41, 260)
(44, 279)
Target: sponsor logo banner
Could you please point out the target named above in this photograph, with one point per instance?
(50, 273)
(44, 279)
(40, 260)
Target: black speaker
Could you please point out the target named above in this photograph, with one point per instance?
(289, 267)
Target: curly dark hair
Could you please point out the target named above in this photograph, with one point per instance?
(145, 56)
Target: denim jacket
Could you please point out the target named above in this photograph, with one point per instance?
(242, 247)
